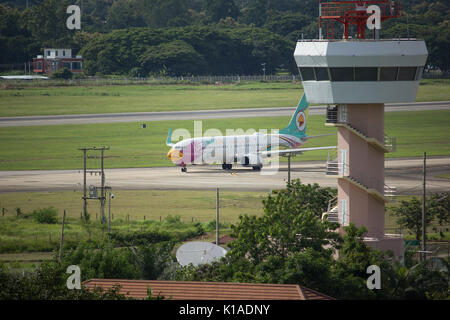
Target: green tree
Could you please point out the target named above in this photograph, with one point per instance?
(124, 14)
(177, 57)
(409, 216)
(440, 207)
(47, 23)
(221, 9)
(62, 74)
(47, 282)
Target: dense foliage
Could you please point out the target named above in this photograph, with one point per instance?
(409, 213)
(289, 243)
(184, 37)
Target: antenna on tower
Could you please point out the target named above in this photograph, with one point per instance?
(356, 13)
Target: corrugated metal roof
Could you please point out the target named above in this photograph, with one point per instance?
(197, 290)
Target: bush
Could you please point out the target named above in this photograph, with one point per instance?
(62, 74)
(46, 215)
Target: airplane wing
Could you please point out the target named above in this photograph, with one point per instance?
(293, 151)
(320, 135)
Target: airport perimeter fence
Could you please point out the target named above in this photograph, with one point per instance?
(102, 81)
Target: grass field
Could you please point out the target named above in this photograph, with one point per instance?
(145, 98)
(55, 147)
(112, 99)
(151, 204)
(132, 211)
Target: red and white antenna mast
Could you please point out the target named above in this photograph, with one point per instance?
(357, 13)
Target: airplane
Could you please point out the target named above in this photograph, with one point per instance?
(247, 150)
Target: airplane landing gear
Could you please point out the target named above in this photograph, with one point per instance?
(227, 166)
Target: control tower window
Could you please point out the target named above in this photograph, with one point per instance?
(307, 74)
(341, 74)
(406, 73)
(366, 74)
(322, 74)
(388, 74)
(419, 73)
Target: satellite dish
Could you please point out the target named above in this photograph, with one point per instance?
(198, 252)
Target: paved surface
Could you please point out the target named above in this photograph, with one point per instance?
(195, 115)
(405, 174)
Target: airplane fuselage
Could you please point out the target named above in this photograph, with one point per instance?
(243, 149)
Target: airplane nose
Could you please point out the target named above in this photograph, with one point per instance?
(175, 155)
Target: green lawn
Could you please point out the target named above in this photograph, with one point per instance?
(151, 204)
(116, 99)
(55, 147)
(146, 209)
(28, 101)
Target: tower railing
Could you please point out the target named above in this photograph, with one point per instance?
(388, 143)
(372, 185)
(332, 214)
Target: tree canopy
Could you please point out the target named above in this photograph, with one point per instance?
(267, 30)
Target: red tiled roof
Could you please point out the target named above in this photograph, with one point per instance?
(197, 290)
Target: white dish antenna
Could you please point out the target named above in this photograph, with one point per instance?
(198, 252)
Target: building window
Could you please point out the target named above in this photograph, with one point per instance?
(48, 53)
(39, 65)
(407, 73)
(67, 65)
(56, 53)
(366, 74)
(343, 162)
(343, 217)
(388, 74)
(307, 74)
(341, 74)
(322, 74)
(361, 74)
(76, 65)
(64, 53)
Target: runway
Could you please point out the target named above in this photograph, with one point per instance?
(195, 115)
(404, 174)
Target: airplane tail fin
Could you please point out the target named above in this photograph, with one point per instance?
(169, 138)
(297, 125)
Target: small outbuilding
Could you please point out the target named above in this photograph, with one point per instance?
(55, 59)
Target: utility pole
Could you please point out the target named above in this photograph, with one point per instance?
(217, 217)
(102, 196)
(84, 187)
(424, 208)
(289, 169)
(62, 236)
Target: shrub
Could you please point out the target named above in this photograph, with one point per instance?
(62, 74)
(46, 215)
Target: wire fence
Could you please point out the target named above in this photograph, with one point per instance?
(101, 81)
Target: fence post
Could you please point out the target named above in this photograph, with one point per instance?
(62, 236)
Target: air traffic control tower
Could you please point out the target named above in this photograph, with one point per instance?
(355, 77)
